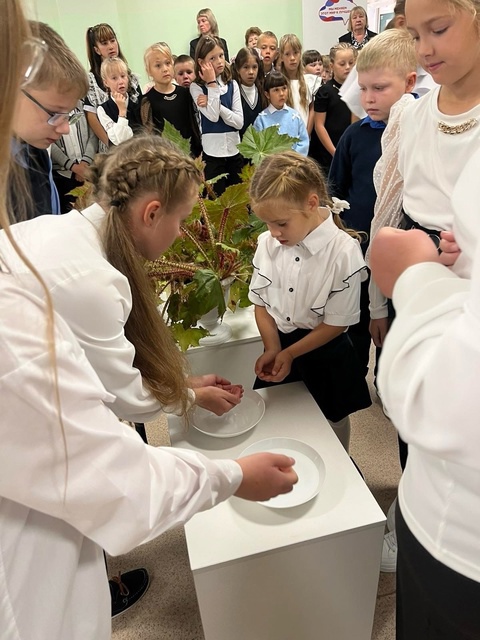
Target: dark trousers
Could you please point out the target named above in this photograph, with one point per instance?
(433, 601)
(359, 333)
(216, 166)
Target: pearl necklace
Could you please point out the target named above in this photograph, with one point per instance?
(455, 129)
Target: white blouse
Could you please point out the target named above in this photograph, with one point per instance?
(70, 488)
(315, 281)
(93, 297)
(429, 372)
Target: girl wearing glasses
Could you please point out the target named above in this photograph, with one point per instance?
(102, 43)
(43, 114)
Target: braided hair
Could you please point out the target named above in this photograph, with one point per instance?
(142, 165)
(290, 177)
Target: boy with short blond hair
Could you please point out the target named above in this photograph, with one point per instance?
(386, 71)
(267, 44)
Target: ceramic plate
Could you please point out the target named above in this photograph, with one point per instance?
(238, 420)
(309, 467)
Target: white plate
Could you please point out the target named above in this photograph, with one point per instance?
(240, 419)
(309, 467)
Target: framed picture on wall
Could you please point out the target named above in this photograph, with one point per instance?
(384, 19)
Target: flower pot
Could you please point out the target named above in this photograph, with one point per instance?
(218, 330)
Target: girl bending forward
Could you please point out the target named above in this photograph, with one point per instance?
(306, 289)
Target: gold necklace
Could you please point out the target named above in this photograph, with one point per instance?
(455, 129)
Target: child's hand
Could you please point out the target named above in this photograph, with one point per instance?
(378, 330)
(207, 72)
(273, 366)
(121, 102)
(202, 100)
(392, 251)
(264, 364)
(266, 475)
(450, 249)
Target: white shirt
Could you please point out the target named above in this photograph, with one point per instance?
(429, 164)
(297, 103)
(315, 281)
(91, 295)
(220, 145)
(117, 132)
(429, 373)
(63, 500)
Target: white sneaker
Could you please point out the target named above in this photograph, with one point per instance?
(391, 516)
(389, 553)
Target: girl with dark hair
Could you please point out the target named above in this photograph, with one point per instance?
(247, 70)
(102, 43)
(217, 97)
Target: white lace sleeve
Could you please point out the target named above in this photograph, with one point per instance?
(386, 175)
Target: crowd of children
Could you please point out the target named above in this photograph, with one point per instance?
(208, 97)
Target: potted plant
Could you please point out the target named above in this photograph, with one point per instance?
(216, 247)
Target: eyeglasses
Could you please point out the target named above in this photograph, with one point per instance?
(55, 119)
(33, 53)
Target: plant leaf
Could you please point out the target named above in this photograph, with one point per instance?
(171, 133)
(187, 337)
(256, 145)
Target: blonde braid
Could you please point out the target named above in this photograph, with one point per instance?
(142, 165)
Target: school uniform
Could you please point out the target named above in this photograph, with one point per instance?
(176, 108)
(44, 198)
(221, 121)
(79, 145)
(251, 106)
(97, 95)
(288, 121)
(337, 119)
(74, 479)
(317, 280)
(351, 179)
(119, 128)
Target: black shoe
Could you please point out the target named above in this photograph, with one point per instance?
(127, 588)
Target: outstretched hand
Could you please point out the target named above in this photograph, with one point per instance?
(266, 475)
(393, 251)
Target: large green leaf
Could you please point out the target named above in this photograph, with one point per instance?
(188, 337)
(207, 293)
(171, 133)
(256, 145)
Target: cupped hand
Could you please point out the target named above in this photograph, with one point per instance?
(216, 399)
(266, 475)
(276, 370)
(202, 101)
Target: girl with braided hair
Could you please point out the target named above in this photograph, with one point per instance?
(306, 288)
(94, 262)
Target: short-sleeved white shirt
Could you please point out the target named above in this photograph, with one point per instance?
(315, 281)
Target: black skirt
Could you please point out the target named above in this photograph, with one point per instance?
(332, 373)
